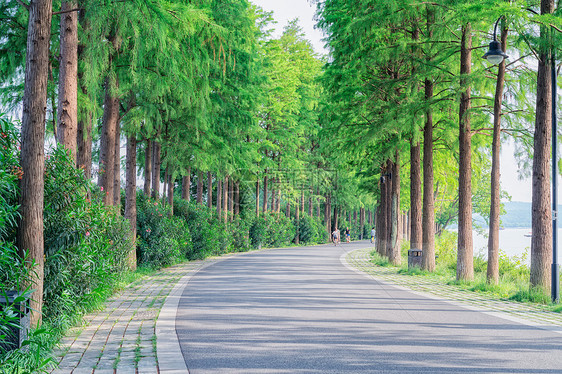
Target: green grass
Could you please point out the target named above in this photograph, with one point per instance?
(513, 284)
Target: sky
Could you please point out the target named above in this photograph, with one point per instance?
(285, 10)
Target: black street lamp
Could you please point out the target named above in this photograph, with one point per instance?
(495, 56)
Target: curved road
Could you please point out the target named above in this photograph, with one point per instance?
(299, 310)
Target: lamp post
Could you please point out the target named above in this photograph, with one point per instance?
(495, 55)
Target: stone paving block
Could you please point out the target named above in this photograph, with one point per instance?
(104, 371)
(83, 370)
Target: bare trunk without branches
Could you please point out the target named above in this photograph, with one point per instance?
(30, 228)
(67, 116)
(541, 241)
(131, 195)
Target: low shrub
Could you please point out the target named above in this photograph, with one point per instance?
(311, 230)
(208, 235)
(86, 244)
(163, 239)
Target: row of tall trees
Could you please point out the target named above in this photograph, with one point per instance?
(205, 99)
(407, 89)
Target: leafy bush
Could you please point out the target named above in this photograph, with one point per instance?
(86, 244)
(163, 239)
(240, 235)
(277, 229)
(311, 230)
(208, 235)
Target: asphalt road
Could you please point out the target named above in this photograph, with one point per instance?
(299, 310)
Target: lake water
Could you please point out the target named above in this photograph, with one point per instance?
(513, 242)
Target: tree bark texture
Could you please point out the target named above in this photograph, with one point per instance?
(237, 198)
(171, 181)
(541, 241)
(110, 121)
(428, 212)
(30, 228)
(67, 116)
(465, 255)
(219, 198)
(117, 171)
(395, 232)
(225, 197)
(131, 196)
(415, 196)
(257, 198)
(84, 145)
(231, 199)
(209, 190)
(361, 222)
(199, 187)
(186, 185)
(265, 194)
(156, 165)
(492, 271)
(147, 167)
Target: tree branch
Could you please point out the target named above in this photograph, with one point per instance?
(26, 6)
(66, 11)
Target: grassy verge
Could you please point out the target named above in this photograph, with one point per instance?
(513, 283)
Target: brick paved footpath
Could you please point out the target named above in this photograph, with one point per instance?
(122, 338)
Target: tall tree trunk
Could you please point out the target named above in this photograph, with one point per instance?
(84, 130)
(288, 209)
(110, 122)
(186, 185)
(428, 213)
(209, 190)
(84, 145)
(164, 185)
(156, 165)
(147, 167)
(231, 199)
(257, 197)
(388, 210)
(415, 196)
(361, 222)
(225, 198)
(541, 241)
(67, 117)
(395, 232)
(171, 182)
(117, 166)
(199, 197)
(327, 216)
(237, 198)
(131, 196)
(219, 198)
(30, 228)
(465, 256)
(492, 272)
(265, 194)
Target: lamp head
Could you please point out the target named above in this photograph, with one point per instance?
(495, 55)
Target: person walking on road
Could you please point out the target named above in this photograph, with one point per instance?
(336, 236)
(373, 235)
(347, 235)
